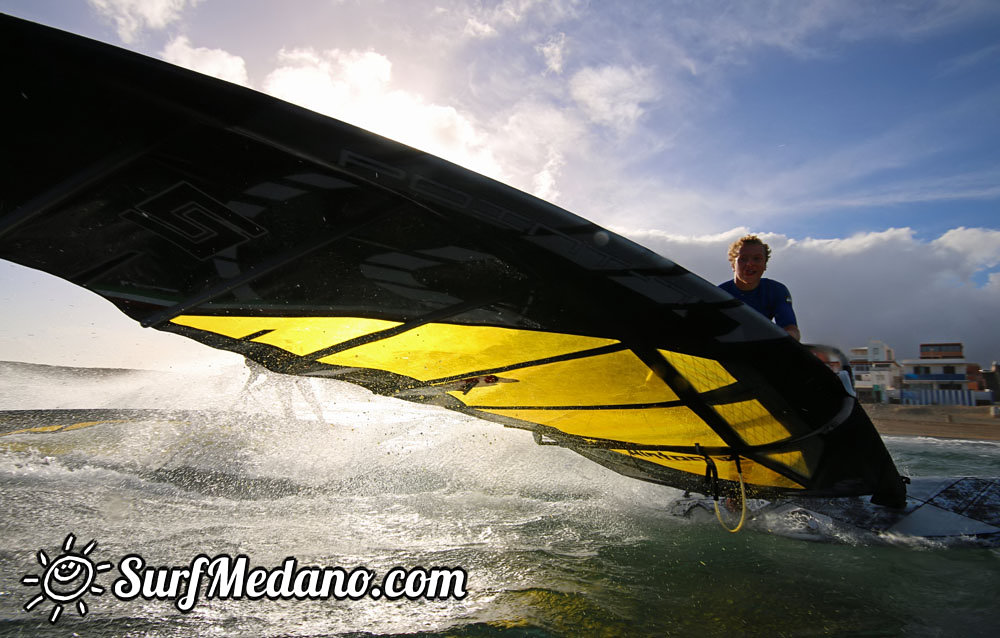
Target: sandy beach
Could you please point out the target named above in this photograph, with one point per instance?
(950, 422)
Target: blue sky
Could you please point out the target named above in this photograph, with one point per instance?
(862, 139)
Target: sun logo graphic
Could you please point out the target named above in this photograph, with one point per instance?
(67, 579)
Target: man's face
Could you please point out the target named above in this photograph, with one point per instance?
(750, 265)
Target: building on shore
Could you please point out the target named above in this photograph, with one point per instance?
(875, 371)
(953, 350)
(942, 375)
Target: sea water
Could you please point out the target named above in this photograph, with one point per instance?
(547, 543)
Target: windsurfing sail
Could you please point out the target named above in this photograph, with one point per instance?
(316, 248)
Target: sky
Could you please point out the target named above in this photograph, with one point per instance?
(860, 139)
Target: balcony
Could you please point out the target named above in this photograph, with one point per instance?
(934, 377)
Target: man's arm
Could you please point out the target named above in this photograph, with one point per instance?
(784, 315)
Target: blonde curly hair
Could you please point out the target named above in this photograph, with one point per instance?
(734, 249)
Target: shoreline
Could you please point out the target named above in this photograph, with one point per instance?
(942, 422)
(965, 431)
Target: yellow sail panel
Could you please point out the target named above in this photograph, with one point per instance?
(703, 374)
(651, 426)
(794, 460)
(753, 473)
(752, 421)
(298, 335)
(440, 350)
(235, 327)
(303, 335)
(615, 378)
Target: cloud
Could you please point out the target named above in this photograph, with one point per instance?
(357, 87)
(132, 16)
(886, 285)
(532, 143)
(524, 145)
(613, 96)
(489, 21)
(476, 29)
(554, 52)
(993, 284)
(976, 248)
(214, 62)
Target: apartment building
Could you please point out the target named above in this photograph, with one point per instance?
(942, 375)
(875, 371)
(941, 366)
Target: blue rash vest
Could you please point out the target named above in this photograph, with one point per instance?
(770, 298)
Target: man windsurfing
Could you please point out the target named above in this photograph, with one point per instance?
(748, 257)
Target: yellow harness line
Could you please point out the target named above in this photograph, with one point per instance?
(743, 508)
